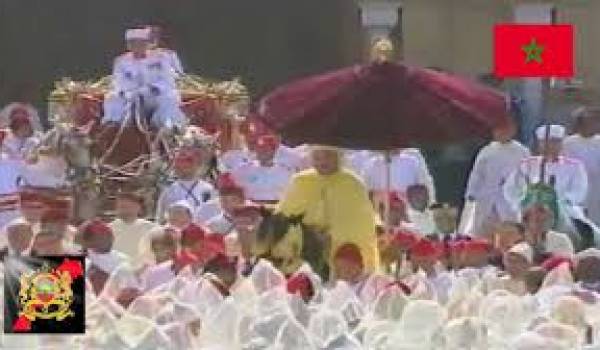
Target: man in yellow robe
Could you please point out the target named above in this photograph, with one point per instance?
(336, 202)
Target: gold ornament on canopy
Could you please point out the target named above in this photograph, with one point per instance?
(382, 50)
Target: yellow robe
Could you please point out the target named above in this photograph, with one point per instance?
(340, 204)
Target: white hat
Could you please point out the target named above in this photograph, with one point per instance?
(523, 249)
(556, 132)
(183, 204)
(137, 34)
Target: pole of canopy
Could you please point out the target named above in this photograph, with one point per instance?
(383, 51)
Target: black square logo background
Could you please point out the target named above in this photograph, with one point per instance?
(13, 267)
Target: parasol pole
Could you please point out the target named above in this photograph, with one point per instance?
(388, 188)
(382, 51)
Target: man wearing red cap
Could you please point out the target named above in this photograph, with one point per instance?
(189, 185)
(264, 180)
(21, 138)
(55, 234)
(253, 130)
(425, 256)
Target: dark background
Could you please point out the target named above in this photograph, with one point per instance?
(265, 42)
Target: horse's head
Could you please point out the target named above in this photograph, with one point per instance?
(75, 145)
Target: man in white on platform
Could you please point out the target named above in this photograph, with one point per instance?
(568, 175)
(144, 76)
(585, 146)
(189, 185)
(156, 44)
(406, 169)
(22, 134)
(263, 180)
(484, 193)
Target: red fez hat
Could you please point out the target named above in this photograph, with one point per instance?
(214, 244)
(267, 142)
(95, 227)
(349, 252)
(456, 247)
(477, 246)
(184, 258)
(555, 261)
(19, 116)
(55, 216)
(227, 185)
(426, 248)
(131, 197)
(193, 232)
(301, 284)
(404, 239)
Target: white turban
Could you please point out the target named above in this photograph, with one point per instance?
(523, 249)
(556, 132)
(137, 34)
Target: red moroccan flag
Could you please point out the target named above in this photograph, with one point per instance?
(532, 50)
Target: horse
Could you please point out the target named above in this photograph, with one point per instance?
(274, 228)
(68, 151)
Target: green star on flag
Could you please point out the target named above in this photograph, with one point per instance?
(533, 51)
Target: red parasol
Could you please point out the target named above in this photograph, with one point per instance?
(382, 106)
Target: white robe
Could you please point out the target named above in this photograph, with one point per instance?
(133, 239)
(18, 148)
(406, 169)
(46, 172)
(207, 211)
(284, 156)
(261, 183)
(156, 276)
(133, 78)
(587, 150)
(493, 165)
(9, 196)
(195, 192)
(571, 182)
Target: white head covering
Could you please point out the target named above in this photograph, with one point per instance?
(556, 132)
(184, 205)
(421, 322)
(137, 34)
(466, 333)
(523, 249)
(265, 276)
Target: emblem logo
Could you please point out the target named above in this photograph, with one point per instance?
(49, 295)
